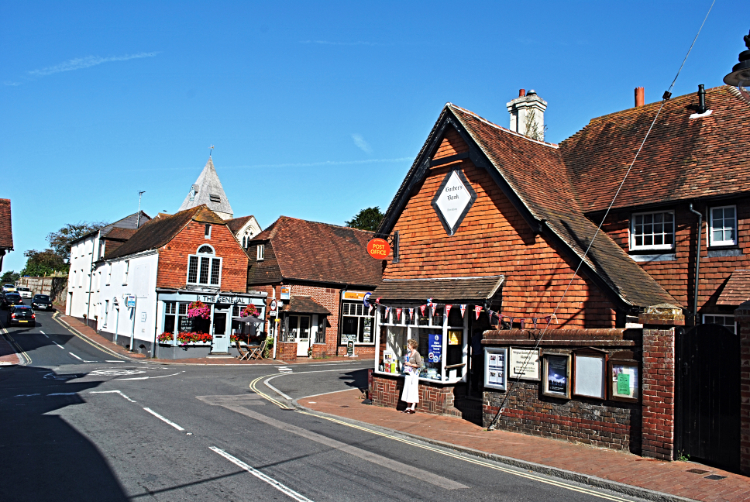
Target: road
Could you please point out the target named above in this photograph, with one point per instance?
(81, 424)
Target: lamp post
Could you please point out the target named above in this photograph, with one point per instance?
(740, 75)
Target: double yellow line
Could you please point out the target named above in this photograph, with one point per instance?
(447, 453)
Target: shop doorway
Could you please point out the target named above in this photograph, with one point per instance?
(299, 331)
(221, 338)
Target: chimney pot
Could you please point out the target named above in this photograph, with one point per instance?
(640, 96)
(522, 93)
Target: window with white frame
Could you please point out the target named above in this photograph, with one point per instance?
(207, 231)
(203, 268)
(261, 253)
(357, 323)
(652, 230)
(723, 226)
(723, 320)
(125, 272)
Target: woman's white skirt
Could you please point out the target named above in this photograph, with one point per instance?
(411, 388)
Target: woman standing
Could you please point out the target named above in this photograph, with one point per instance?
(412, 365)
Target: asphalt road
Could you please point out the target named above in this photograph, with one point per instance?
(78, 424)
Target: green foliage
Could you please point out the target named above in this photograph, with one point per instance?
(60, 241)
(10, 277)
(367, 219)
(682, 457)
(41, 263)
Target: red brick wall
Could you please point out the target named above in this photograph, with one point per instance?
(437, 399)
(493, 239)
(658, 393)
(742, 316)
(678, 276)
(287, 351)
(330, 299)
(173, 258)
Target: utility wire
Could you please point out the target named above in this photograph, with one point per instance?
(665, 98)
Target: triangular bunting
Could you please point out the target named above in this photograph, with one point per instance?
(398, 314)
(463, 310)
(477, 310)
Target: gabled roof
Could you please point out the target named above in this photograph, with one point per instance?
(533, 176)
(207, 190)
(442, 289)
(236, 224)
(130, 222)
(159, 231)
(6, 227)
(320, 252)
(684, 158)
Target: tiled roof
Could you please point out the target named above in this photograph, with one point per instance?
(737, 289)
(458, 289)
(683, 158)
(207, 190)
(6, 227)
(537, 183)
(130, 222)
(120, 234)
(236, 224)
(160, 231)
(304, 305)
(320, 252)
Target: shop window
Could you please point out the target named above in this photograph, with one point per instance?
(204, 270)
(723, 226)
(652, 230)
(357, 324)
(724, 320)
(170, 311)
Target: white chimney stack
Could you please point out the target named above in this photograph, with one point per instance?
(527, 114)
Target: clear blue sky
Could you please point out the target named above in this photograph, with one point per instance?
(316, 109)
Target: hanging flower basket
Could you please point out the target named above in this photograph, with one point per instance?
(250, 310)
(199, 309)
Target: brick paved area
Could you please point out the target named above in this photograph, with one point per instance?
(7, 354)
(667, 477)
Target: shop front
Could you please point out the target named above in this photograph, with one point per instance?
(303, 328)
(442, 315)
(195, 324)
(357, 325)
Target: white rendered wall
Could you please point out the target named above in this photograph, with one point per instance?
(81, 257)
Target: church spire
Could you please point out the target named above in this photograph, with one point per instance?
(207, 190)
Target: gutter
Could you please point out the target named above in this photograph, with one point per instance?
(697, 262)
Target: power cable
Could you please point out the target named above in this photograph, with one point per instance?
(665, 98)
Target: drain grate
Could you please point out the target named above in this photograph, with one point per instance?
(715, 477)
(697, 471)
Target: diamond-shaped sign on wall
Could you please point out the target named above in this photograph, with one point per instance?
(453, 200)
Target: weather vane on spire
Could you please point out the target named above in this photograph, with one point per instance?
(211, 152)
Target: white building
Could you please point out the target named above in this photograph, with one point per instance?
(207, 190)
(83, 286)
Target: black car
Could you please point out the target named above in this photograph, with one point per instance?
(22, 315)
(10, 299)
(41, 302)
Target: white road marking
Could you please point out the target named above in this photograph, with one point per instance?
(123, 372)
(112, 392)
(45, 334)
(76, 357)
(277, 391)
(112, 361)
(324, 394)
(62, 394)
(58, 344)
(165, 420)
(27, 395)
(242, 465)
(285, 369)
(148, 377)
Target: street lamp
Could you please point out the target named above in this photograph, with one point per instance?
(740, 76)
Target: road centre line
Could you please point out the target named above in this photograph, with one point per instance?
(58, 344)
(165, 420)
(113, 361)
(448, 453)
(76, 356)
(42, 332)
(112, 392)
(242, 465)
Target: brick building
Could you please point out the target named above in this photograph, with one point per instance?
(495, 222)
(148, 283)
(318, 273)
(6, 230)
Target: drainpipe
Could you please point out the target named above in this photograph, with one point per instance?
(697, 261)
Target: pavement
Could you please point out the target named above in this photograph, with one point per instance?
(617, 471)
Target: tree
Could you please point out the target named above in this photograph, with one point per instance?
(60, 241)
(10, 277)
(367, 219)
(41, 263)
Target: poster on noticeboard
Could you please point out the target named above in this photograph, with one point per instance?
(496, 368)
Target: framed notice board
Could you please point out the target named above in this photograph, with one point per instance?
(556, 381)
(624, 381)
(589, 374)
(496, 368)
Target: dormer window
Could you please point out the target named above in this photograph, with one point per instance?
(203, 268)
(261, 252)
(207, 231)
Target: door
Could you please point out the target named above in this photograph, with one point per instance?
(299, 331)
(707, 396)
(221, 338)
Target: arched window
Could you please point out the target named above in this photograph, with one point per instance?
(205, 250)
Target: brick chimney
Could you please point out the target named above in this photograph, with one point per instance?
(640, 96)
(527, 114)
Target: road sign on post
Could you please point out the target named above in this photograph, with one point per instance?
(130, 302)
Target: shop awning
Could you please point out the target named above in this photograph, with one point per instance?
(470, 290)
(737, 289)
(304, 305)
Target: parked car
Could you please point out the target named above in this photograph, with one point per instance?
(22, 315)
(9, 288)
(24, 292)
(41, 302)
(10, 299)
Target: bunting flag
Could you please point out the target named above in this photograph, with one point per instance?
(398, 314)
(448, 310)
(421, 308)
(411, 314)
(463, 310)
(429, 301)
(477, 310)
(490, 314)
(369, 311)
(434, 307)
(387, 311)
